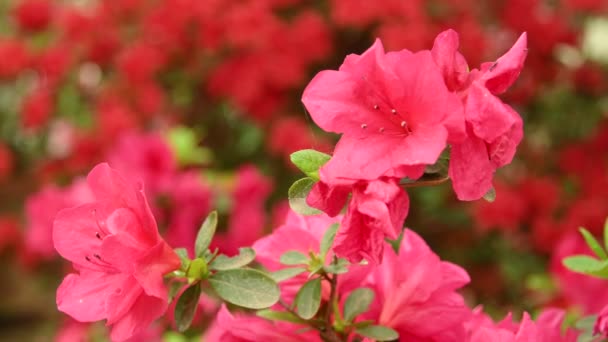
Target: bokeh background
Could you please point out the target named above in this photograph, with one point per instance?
(201, 100)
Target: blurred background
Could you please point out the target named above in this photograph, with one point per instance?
(201, 100)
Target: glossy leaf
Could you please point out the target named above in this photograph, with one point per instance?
(308, 299)
(186, 307)
(245, 287)
(297, 197)
(221, 262)
(205, 234)
(357, 303)
(309, 162)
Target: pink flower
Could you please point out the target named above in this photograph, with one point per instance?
(118, 254)
(145, 156)
(298, 233)
(376, 211)
(547, 328)
(41, 209)
(415, 293)
(493, 128)
(393, 109)
(244, 328)
(248, 216)
(601, 324)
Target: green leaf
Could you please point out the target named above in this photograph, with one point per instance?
(245, 287)
(284, 316)
(587, 265)
(593, 244)
(357, 303)
(309, 162)
(293, 258)
(197, 269)
(222, 262)
(308, 299)
(328, 240)
(182, 253)
(297, 197)
(337, 268)
(490, 196)
(186, 307)
(184, 144)
(378, 333)
(174, 287)
(205, 234)
(286, 273)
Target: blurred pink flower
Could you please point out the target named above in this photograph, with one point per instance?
(120, 258)
(41, 209)
(249, 328)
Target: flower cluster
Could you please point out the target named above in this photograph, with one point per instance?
(397, 112)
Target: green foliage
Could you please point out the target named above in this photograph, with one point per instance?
(593, 244)
(337, 267)
(221, 263)
(297, 196)
(184, 143)
(294, 258)
(378, 333)
(327, 240)
(287, 273)
(245, 287)
(197, 269)
(587, 265)
(205, 234)
(284, 316)
(309, 162)
(186, 307)
(490, 196)
(308, 299)
(357, 303)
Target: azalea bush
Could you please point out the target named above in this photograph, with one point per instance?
(282, 170)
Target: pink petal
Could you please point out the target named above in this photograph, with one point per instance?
(452, 64)
(328, 198)
(503, 73)
(121, 301)
(487, 114)
(470, 169)
(84, 296)
(150, 269)
(144, 311)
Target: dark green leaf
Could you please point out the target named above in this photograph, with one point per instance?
(309, 162)
(378, 333)
(286, 273)
(284, 316)
(174, 287)
(328, 240)
(186, 307)
(593, 244)
(297, 196)
(294, 258)
(205, 234)
(222, 262)
(245, 287)
(308, 299)
(357, 303)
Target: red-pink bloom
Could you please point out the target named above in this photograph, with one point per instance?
(6, 162)
(41, 209)
(493, 128)
(415, 293)
(248, 216)
(376, 211)
(118, 254)
(33, 15)
(547, 328)
(601, 324)
(393, 109)
(248, 328)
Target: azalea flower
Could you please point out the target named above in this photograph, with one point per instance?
(118, 254)
(393, 110)
(248, 328)
(415, 293)
(493, 128)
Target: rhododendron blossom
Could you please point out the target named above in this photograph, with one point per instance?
(120, 258)
(415, 293)
(494, 129)
(393, 109)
